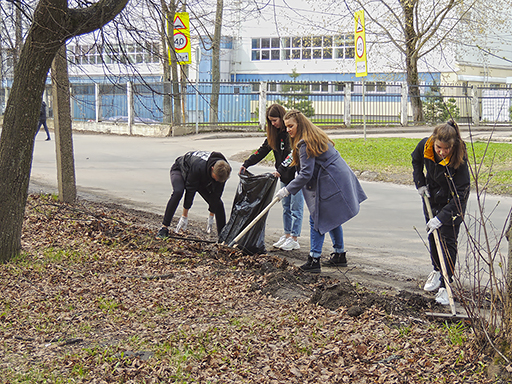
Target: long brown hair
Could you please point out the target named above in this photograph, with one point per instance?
(449, 133)
(276, 111)
(317, 141)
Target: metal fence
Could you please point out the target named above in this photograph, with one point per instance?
(329, 104)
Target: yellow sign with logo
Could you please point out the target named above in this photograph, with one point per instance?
(182, 38)
(360, 43)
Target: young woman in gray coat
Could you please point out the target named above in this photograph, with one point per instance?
(331, 190)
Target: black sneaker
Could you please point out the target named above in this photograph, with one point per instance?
(163, 233)
(337, 260)
(312, 265)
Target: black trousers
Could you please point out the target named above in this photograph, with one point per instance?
(178, 189)
(448, 235)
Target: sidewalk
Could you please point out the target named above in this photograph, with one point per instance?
(499, 133)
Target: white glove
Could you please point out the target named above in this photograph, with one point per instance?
(182, 224)
(282, 193)
(423, 191)
(433, 224)
(209, 225)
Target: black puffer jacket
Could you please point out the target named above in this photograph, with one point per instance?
(195, 166)
(287, 173)
(448, 187)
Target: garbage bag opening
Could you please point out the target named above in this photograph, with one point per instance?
(253, 194)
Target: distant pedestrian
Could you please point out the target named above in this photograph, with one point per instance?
(278, 141)
(42, 121)
(331, 190)
(447, 183)
(205, 173)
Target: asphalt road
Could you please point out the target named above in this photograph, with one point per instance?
(134, 171)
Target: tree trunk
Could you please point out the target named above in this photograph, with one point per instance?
(62, 126)
(17, 142)
(508, 301)
(411, 59)
(183, 80)
(175, 82)
(52, 24)
(18, 33)
(414, 89)
(167, 107)
(214, 101)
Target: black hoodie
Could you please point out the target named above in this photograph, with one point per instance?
(195, 167)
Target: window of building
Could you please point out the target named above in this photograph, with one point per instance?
(340, 86)
(320, 87)
(272, 87)
(303, 48)
(379, 86)
(86, 54)
(266, 48)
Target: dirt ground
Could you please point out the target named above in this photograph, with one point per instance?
(354, 287)
(375, 280)
(350, 287)
(97, 298)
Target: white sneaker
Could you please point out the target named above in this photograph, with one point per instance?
(433, 281)
(280, 241)
(290, 244)
(442, 297)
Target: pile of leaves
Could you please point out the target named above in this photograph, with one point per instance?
(95, 298)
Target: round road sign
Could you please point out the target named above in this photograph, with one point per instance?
(360, 46)
(180, 41)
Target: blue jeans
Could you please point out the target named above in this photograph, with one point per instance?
(43, 123)
(293, 206)
(317, 240)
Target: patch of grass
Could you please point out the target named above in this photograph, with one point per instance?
(492, 163)
(379, 154)
(392, 156)
(456, 332)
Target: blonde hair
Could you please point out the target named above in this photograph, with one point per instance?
(317, 141)
(449, 133)
(222, 169)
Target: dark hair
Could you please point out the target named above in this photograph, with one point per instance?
(449, 133)
(277, 111)
(222, 169)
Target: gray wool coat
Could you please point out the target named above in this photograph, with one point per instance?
(337, 191)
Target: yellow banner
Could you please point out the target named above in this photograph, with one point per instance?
(182, 38)
(360, 43)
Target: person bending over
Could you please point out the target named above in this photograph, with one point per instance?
(205, 173)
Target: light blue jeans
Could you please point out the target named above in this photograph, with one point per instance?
(293, 207)
(317, 240)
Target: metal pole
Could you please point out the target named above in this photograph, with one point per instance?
(364, 112)
(198, 58)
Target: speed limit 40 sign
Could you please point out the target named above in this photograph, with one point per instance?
(182, 38)
(360, 37)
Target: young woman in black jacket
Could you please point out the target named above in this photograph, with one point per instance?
(441, 171)
(278, 141)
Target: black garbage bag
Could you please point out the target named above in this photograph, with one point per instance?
(253, 194)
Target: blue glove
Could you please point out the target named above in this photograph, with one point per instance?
(433, 224)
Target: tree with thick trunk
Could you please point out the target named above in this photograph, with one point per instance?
(411, 58)
(416, 28)
(53, 23)
(214, 101)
